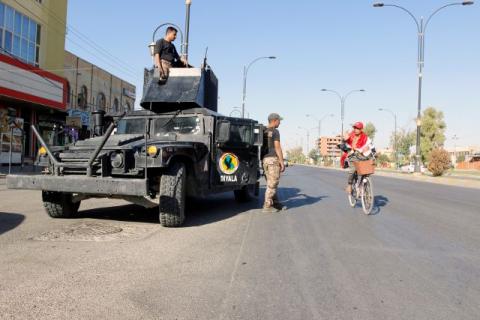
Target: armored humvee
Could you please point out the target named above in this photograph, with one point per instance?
(177, 146)
(155, 157)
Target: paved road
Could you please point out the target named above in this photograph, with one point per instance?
(418, 257)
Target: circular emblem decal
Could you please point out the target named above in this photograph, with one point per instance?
(228, 163)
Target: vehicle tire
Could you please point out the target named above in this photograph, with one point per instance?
(172, 196)
(367, 196)
(244, 194)
(59, 204)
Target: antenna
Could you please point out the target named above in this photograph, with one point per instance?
(205, 58)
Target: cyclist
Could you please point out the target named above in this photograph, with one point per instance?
(361, 149)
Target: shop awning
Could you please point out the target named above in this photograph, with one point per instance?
(24, 82)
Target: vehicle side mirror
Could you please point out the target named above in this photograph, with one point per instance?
(223, 131)
(258, 135)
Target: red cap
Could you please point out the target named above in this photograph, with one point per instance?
(358, 125)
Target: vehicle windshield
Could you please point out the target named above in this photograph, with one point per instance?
(178, 125)
(131, 126)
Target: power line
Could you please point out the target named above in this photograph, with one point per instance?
(84, 37)
(53, 84)
(124, 71)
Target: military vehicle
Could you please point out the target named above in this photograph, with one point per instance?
(178, 146)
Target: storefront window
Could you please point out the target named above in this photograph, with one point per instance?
(25, 22)
(16, 46)
(2, 14)
(21, 37)
(8, 41)
(17, 23)
(9, 18)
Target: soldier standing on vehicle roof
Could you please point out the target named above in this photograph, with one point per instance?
(272, 163)
(166, 55)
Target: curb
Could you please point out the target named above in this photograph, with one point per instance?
(455, 182)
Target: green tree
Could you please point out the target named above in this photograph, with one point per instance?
(405, 140)
(370, 130)
(296, 155)
(314, 154)
(433, 131)
(461, 158)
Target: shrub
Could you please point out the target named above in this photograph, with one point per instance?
(439, 162)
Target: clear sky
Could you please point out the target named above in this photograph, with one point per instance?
(340, 45)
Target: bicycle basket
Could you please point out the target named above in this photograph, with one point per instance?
(364, 167)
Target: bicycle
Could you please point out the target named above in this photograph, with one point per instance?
(362, 189)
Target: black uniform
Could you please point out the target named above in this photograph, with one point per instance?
(167, 51)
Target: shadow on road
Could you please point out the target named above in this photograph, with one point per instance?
(128, 212)
(380, 201)
(218, 208)
(199, 211)
(293, 198)
(9, 221)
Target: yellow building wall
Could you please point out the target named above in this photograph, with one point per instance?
(51, 16)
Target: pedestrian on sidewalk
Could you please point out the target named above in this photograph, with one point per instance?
(166, 55)
(273, 166)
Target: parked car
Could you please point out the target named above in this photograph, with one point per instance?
(410, 168)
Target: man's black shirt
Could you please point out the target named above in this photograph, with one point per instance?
(166, 50)
(272, 135)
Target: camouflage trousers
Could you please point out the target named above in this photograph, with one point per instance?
(271, 168)
(165, 68)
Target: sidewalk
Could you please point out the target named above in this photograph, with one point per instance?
(457, 181)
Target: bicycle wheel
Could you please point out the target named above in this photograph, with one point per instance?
(367, 195)
(352, 199)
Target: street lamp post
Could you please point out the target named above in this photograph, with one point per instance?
(342, 101)
(320, 122)
(245, 73)
(455, 138)
(394, 134)
(319, 126)
(308, 138)
(421, 28)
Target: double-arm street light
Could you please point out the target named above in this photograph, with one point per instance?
(319, 122)
(394, 134)
(245, 74)
(308, 137)
(342, 101)
(422, 25)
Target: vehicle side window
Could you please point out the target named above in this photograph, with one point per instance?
(179, 125)
(241, 134)
(131, 126)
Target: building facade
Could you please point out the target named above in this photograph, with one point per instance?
(32, 84)
(328, 146)
(91, 88)
(462, 154)
(44, 85)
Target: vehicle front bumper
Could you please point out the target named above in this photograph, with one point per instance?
(79, 184)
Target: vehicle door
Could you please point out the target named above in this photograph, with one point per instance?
(235, 153)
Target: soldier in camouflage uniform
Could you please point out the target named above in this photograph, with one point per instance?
(272, 164)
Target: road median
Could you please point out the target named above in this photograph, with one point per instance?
(449, 181)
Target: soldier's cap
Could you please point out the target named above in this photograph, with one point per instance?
(274, 116)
